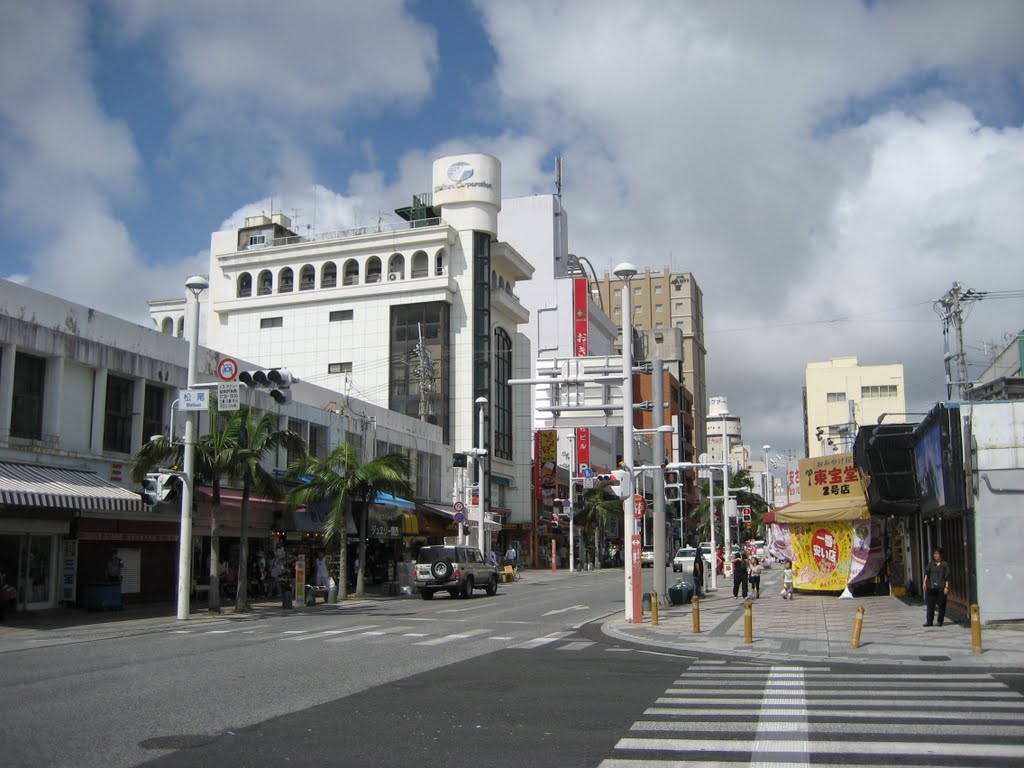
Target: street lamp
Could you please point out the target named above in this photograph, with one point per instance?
(482, 405)
(195, 285)
(571, 437)
(726, 532)
(634, 610)
(767, 475)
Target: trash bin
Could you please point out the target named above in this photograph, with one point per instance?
(103, 597)
(310, 595)
(680, 593)
(646, 606)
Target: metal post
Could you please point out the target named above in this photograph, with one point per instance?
(631, 580)
(658, 395)
(572, 499)
(695, 602)
(726, 545)
(976, 628)
(196, 285)
(748, 622)
(858, 625)
(482, 403)
(711, 508)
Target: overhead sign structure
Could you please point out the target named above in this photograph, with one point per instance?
(227, 369)
(193, 400)
(228, 396)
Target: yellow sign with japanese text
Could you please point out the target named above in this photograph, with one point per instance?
(828, 478)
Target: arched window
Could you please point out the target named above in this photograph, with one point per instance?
(328, 275)
(181, 327)
(502, 412)
(420, 265)
(350, 274)
(265, 284)
(373, 270)
(307, 278)
(396, 267)
(167, 326)
(285, 280)
(244, 285)
(440, 263)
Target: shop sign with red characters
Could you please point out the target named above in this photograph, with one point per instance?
(830, 477)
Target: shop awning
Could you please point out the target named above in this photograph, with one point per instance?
(821, 511)
(35, 485)
(387, 500)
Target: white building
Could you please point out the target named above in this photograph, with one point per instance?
(422, 320)
(840, 395)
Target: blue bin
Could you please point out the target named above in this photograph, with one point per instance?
(103, 597)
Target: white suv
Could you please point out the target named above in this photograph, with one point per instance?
(457, 570)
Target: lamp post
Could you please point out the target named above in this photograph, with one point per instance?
(196, 285)
(726, 544)
(571, 437)
(767, 475)
(481, 403)
(634, 610)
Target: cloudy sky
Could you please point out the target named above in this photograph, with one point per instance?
(826, 170)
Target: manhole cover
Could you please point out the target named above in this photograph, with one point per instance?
(184, 741)
(933, 658)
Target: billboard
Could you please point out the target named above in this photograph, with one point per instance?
(938, 460)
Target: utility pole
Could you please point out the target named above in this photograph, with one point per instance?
(950, 310)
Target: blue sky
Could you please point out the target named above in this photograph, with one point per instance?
(825, 170)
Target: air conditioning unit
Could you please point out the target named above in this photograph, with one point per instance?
(394, 276)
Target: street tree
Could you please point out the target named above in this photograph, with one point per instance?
(595, 508)
(347, 484)
(700, 515)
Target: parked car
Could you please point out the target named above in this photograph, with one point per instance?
(684, 559)
(456, 570)
(647, 556)
(706, 552)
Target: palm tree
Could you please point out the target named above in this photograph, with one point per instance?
(745, 497)
(595, 508)
(255, 437)
(340, 478)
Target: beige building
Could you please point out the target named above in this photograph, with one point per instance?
(841, 395)
(668, 300)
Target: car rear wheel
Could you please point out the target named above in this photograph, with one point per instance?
(427, 594)
(492, 586)
(467, 588)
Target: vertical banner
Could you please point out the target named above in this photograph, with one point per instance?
(300, 579)
(581, 348)
(68, 569)
(545, 462)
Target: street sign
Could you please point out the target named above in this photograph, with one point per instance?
(227, 396)
(639, 506)
(588, 483)
(193, 400)
(458, 506)
(459, 517)
(227, 369)
(588, 472)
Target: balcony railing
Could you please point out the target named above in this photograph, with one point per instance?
(341, 234)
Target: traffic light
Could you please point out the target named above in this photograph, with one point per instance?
(459, 460)
(277, 382)
(621, 489)
(159, 487)
(151, 488)
(746, 514)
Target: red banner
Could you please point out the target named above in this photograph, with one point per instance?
(581, 348)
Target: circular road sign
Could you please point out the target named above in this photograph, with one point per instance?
(459, 517)
(639, 506)
(458, 506)
(227, 369)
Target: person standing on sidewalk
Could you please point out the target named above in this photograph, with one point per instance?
(755, 577)
(936, 588)
(739, 574)
(787, 580)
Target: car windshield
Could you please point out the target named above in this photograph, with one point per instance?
(433, 554)
(686, 553)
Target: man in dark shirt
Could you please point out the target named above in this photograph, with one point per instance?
(936, 587)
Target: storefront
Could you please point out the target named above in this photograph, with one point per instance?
(42, 509)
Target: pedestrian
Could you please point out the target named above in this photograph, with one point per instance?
(322, 574)
(511, 556)
(755, 577)
(739, 574)
(698, 574)
(787, 580)
(115, 568)
(936, 588)
(492, 558)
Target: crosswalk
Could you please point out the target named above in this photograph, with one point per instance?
(416, 635)
(728, 715)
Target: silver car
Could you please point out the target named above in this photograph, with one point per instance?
(456, 570)
(683, 561)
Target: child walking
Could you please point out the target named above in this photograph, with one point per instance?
(787, 581)
(755, 571)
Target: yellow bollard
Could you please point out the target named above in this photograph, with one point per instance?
(858, 625)
(748, 622)
(654, 609)
(976, 628)
(695, 602)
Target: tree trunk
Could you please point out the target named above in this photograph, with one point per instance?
(360, 577)
(597, 549)
(343, 560)
(242, 592)
(213, 597)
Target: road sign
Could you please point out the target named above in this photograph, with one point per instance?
(459, 517)
(458, 506)
(227, 396)
(588, 483)
(193, 400)
(227, 369)
(588, 472)
(639, 506)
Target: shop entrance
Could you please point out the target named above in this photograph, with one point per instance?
(30, 564)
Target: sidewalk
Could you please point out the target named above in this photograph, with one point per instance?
(813, 627)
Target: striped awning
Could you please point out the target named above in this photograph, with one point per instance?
(35, 485)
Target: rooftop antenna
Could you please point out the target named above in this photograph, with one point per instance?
(558, 175)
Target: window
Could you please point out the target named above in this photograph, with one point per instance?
(307, 278)
(329, 275)
(657, 289)
(638, 291)
(418, 377)
(300, 428)
(153, 412)
(350, 274)
(420, 265)
(317, 440)
(257, 240)
(27, 405)
(638, 309)
(339, 367)
(877, 391)
(835, 397)
(616, 292)
(271, 322)
(244, 285)
(502, 412)
(373, 270)
(117, 421)
(659, 307)
(341, 314)
(266, 283)
(617, 311)
(285, 280)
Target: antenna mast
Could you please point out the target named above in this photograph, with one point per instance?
(558, 175)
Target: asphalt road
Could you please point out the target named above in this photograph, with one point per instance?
(519, 679)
